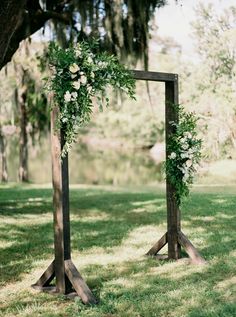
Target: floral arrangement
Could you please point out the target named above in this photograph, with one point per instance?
(184, 150)
(79, 74)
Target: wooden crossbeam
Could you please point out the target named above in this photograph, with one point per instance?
(154, 76)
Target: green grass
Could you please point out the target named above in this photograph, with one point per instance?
(112, 228)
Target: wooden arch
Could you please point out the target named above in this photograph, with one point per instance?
(62, 267)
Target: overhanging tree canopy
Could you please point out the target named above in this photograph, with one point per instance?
(121, 25)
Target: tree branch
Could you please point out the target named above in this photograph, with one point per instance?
(32, 19)
(11, 15)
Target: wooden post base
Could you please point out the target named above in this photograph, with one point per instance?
(73, 279)
(184, 242)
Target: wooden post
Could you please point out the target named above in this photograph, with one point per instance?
(67, 276)
(60, 180)
(173, 211)
(174, 236)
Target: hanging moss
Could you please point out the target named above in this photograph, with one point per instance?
(121, 25)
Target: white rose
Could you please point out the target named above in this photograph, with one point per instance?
(188, 135)
(89, 88)
(74, 95)
(64, 119)
(83, 80)
(172, 155)
(67, 96)
(185, 177)
(185, 146)
(76, 84)
(74, 68)
(78, 52)
(90, 60)
(183, 140)
(102, 64)
(184, 155)
(189, 163)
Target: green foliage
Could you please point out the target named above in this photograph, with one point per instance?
(37, 109)
(79, 74)
(210, 85)
(184, 150)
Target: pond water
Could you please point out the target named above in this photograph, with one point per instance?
(90, 166)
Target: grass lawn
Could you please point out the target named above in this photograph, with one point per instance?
(112, 229)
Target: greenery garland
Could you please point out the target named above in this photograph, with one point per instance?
(80, 73)
(184, 148)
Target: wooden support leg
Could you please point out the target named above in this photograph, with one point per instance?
(174, 236)
(158, 245)
(78, 283)
(190, 249)
(67, 276)
(192, 252)
(46, 278)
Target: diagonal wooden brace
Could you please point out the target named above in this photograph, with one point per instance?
(158, 246)
(190, 249)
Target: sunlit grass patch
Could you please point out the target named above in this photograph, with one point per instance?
(112, 229)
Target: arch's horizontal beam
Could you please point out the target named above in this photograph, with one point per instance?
(154, 76)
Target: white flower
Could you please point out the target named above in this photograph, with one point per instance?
(183, 140)
(185, 177)
(184, 155)
(172, 155)
(92, 75)
(83, 80)
(78, 51)
(189, 163)
(89, 88)
(90, 60)
(74, 68)
(74, 95)
(76, 84)
(188, 135)
(73, 76)
(64, 119)
(185, 146)
(67, 96)
(102, 64)
(81, 73)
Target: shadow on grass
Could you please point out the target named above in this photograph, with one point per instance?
(104, 219)
(26, 243)
(135, 289)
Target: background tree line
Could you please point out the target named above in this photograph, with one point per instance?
(207, 87)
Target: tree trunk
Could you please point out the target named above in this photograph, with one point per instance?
(23, 168)
(3, 147)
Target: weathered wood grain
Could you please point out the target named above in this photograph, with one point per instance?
(46, 277)
(154, 76)
(79, 284)
(159, 245)
(173, 211)
(190, 249)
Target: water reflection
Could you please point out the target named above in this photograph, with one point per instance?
(115, 167)
(90, 166)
